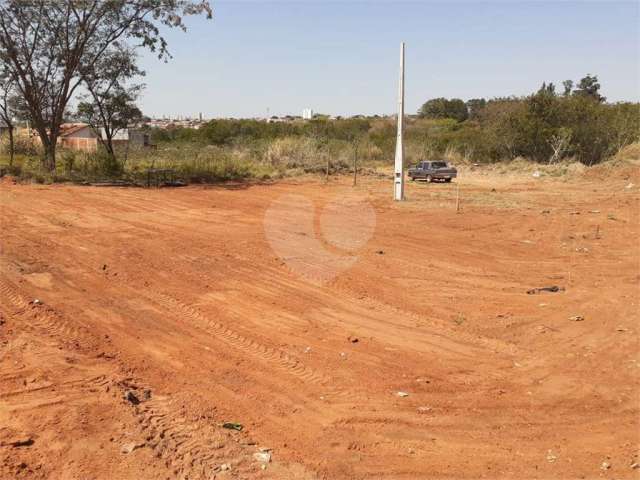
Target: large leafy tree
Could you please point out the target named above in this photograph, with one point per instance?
(589, 87)
(45, 44)
(444, 108)
(109, 107)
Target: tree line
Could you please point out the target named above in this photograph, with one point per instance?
(51, 51)
(545, 126)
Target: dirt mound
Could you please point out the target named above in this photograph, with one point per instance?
(623, 166)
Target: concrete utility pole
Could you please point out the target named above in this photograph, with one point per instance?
(398, 178)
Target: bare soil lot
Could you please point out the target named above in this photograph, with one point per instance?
(183, 301)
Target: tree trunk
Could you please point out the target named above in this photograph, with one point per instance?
(109, 146)
(50, 155)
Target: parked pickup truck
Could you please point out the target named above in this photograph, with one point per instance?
(431, 171)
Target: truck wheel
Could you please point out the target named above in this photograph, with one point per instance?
(412, 178)
(428, 179)
(448, 180)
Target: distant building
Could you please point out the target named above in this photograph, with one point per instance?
(307, 114)
(80, 136)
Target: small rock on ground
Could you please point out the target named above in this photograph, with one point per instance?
(262, 457)
(130, 447)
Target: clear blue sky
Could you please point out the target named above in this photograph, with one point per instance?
(341, 57)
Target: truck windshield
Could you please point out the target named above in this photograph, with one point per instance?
(438, 164)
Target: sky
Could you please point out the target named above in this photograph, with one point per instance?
(341, 57)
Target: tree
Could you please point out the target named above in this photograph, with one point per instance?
(8, 101)
(444, 108)
(434, 108)
(475, 106)
(110, 105)
(457, 110)
(590, 88)
(568, 86)
(549, 88)
(45, 44)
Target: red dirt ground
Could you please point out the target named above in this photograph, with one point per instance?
(180, 297)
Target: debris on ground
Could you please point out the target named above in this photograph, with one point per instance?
(605, 466)
(307, 350)
(594, 211)
(224, 467)
(576, 318)
(552, 288)
(37, 301)
(18, 442)
(353, 339)
(634, 466)
(127, 448)
(536, 174)
(551, 457)
(424, 409)
(380, 252)
(629, 186)
(233, 426)
(402, 394)
(544, 328)
(262, 457)
(132, 397)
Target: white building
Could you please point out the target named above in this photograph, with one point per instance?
(307, 114)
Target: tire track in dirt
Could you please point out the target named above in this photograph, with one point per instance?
(189, 449)
(278, 358)
(41, 316)
(183, 445)
(58, 326)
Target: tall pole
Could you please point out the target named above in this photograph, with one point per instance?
(398, 178)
